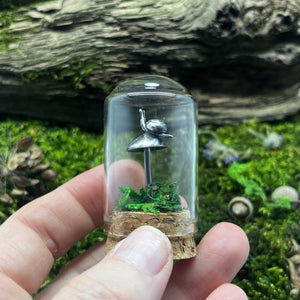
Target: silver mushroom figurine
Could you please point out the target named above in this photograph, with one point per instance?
(154, 131)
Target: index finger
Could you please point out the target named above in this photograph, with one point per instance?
(32, 238)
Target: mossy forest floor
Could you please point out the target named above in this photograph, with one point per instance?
(71, 150)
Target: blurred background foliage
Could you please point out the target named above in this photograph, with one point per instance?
(9, 4)
(266, 272)
(72, 150)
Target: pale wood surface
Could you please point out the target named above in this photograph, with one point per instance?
(239, 58)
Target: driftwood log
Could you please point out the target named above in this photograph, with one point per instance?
(240, 59)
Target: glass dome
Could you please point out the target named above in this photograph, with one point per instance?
(151, 161)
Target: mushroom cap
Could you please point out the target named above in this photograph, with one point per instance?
(156, 126)
(146, 140)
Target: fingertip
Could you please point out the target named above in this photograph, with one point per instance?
(141, 262)
(146, 248)
(227, 291)
(231, 238)
(124, 173)
(220, 255)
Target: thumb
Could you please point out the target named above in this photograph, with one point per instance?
(138, 267)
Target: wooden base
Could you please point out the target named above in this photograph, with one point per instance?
(175, 225)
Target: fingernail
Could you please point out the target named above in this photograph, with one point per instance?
(146, 248)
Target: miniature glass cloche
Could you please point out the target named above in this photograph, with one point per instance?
(151, 161)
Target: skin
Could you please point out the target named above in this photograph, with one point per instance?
(125, 173)
(139, 267)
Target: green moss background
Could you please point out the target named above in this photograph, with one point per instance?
(70, 151)
(9, 4)
(265, 275)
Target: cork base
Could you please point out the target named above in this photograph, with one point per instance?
(174, 225)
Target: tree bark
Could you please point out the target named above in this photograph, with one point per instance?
(240, 59)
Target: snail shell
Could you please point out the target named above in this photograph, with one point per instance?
(240, 208)
(156, 126)
(285, 192)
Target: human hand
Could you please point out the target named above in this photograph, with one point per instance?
(140, 267)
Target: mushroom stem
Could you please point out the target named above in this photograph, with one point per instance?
(147, 166)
